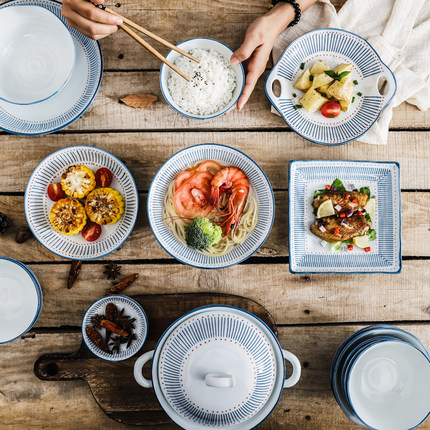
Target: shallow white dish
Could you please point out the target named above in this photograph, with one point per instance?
(72, 101)
(306, 253)
(20, 299)
(37, 204)
(225, 155)
(202, 43)
(333, 46)
(131, 309)
(37, 54)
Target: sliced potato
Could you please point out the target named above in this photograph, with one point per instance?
(344, 105)
(341, 90)
(313, 100)
(303, 83)
(321, 80)
(343, 68)
(323, 89)
(319, 67)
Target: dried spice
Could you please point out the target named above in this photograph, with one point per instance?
(139, 100)
(74, 272)
(127, 323)
(115, 343)
(97, 338)
(112, 271)
(122, 285)
(96, 320)
(111, 311)
(130, 339)
(112, 327)
(23, 234)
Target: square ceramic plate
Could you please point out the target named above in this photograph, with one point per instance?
(307, 255)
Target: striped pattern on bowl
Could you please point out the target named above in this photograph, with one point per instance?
(37, 203)
(335, 47)
(306, 253)
(226, 156)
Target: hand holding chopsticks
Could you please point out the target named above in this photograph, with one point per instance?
(145, 44)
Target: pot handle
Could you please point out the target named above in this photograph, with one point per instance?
(297, 369)
(138, 366)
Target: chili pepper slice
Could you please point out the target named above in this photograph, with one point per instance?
(350, 247)
(328, 187)
(354, 200)
(342, 215)
(336, 231)
(359, 213)
(347, 197)
(367, 249)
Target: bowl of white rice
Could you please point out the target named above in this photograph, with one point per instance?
(215, 85)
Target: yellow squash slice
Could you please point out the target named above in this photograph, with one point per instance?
(104, 206)
(78, 181)
(68, 216)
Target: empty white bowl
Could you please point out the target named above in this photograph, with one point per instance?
(37, 54)
(206, 44)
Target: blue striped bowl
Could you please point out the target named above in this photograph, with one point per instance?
(218, 367)
(334, 46)
(226, 156)
(306, 253)
(37, 203)
(72, 101)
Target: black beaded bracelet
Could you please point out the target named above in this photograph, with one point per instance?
(296, 6)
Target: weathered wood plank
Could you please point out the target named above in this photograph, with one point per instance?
(291, 299)
(415, 233)
(69, 405)
(144, 153)
(105, 113)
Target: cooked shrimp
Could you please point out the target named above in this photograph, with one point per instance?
(235, 182)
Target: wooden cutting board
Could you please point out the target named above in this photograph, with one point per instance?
(112, 384)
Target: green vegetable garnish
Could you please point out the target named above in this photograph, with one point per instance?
(359, 94)
(331, 115)
(324, 95)
(349, 242)
(338, 184)
(372, 234)
(319, 193)
(311, 77)
(202, 234)
(355, 82)
(302, 66)
(294, 95)
(336, 76)
(297, 107)
(334, 247)
(352, 101)
(367, 217)
(365, 190)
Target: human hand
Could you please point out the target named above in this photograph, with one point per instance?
(90, 20)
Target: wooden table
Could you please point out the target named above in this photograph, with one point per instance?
(314, 312)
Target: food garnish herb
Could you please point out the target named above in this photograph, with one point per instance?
(311, 77)
(353, 99)
(112, 271)
(365, 190)
(359, 94)
(74, 272)
(302, 66)
(372, 234)
(297, 107)
(294, 95)
(355, 82)
(337, 76)
(122, 285)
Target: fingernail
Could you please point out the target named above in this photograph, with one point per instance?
(118, 20)
(234, 61)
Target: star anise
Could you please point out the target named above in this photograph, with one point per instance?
(130, 339)
(127, 323)
(112, 271)
(96, 320)
(115, 343)
(118, 315)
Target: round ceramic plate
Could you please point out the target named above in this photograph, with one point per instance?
(72, 101)
(37, 54)
(213, 343)
(132, 309)
(37, 204)
(335, 47)
(20, 299)
(228, 156)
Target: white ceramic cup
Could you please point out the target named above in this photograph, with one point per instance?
(389, 386)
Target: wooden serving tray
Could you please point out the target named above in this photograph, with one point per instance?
(112, 384)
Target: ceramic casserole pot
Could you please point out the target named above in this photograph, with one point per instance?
(218, 367)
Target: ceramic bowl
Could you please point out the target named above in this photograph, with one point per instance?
(333, 46)
(218, 367)
(227, 156)
(37, 54)
(133, 310)
(206, 44)
(37, 204)
(20, 299)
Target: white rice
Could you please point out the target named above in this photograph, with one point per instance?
(213, 82)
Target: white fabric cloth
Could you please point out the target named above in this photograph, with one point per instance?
(399, 31)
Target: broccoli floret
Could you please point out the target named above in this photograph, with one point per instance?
(202, 234)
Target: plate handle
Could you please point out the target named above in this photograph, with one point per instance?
(297, 369)
(219, 380)
(138, 366)
(391, 85)
(269, 86)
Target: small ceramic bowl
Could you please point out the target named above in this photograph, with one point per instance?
(131, 309)
(206, 44)
(37, 54)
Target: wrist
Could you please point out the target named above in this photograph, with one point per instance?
(280, 16)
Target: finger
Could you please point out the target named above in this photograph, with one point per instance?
(90, 29)
(92, 13)
(245, 50)
(255, 70)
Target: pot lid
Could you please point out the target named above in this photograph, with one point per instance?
(218, 367)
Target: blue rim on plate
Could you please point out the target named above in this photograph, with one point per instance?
(38, 292)
(68, 77)
(131, 308)
(164, 69)
(27, 119)
(163, 337)
(36, 203)
(306, 253)
(225, 155)
(335, 46)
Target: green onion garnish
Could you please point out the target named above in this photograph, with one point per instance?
(294, 95)
(359, 94)
(352, 101)
(297, 107)
(311, 77)
(302, 66)
(355, 82)
(331, 115)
